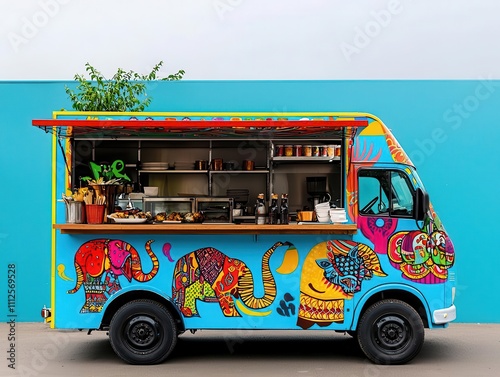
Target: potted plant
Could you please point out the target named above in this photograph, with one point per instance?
(125, 91)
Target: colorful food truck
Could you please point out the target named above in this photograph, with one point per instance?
(175, 222)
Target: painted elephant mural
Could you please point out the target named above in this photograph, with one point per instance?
(209, 275)
(333, 272)
(99, 263)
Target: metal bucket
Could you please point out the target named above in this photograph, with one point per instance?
(74, 212)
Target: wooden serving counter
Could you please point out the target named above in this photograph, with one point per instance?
(206, 228)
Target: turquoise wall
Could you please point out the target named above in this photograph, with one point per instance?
(450, 130)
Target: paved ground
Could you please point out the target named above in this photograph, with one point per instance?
(461, 350)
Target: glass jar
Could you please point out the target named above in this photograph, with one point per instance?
(307, 150)
(297, 150)
(279, 150)
(323, 151)
(331, 150)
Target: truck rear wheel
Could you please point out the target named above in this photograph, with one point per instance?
(143, 332)
(390, 332)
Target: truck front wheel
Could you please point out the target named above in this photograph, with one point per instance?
(390, 332)
(143, 332)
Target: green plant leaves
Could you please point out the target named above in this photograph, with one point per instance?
(126, 91)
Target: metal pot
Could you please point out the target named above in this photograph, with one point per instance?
(216, 164)
(228, 165)
(201, 165)
(248, 165)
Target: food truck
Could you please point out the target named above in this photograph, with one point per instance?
(175, 222)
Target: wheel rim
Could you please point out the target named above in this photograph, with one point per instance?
(142, 333)
(392, 333)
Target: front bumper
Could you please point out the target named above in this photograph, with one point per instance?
(445, 315)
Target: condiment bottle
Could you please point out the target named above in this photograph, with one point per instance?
(284, 209)
(273, 214)
(260, 210)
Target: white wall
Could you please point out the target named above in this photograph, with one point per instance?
(252, 39)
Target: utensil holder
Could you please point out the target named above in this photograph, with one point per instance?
(110, 192)
(74, 212)
(95, 213)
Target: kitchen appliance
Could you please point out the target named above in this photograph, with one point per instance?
(168, 204)
(316, 189)
(216, 209)
(124, 203)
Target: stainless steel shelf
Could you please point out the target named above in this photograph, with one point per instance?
(173, 171)
(306, 159)
(256, 171)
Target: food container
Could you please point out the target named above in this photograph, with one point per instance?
(248, 165)
(201, 165)
(307, 150)
(323, 151)
(288, 150)
(305, 215)
(315, 151)
(216, 164)
(338, 151)
(279, 150)
(331, 150)
(297, 150)
(228, 165)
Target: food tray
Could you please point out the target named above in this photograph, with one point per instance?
(127, 221)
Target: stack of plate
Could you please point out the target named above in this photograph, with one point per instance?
(155, 165)
(183, 165)
(338, 215)
(239, 195)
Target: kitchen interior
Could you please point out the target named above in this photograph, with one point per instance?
(219, 178)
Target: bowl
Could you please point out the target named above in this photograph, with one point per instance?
(322, 213)
(322, 219)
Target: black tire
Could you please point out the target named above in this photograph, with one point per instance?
(143, 332)
(390, 332)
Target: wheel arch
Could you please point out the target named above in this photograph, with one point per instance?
(404, 293)
(122, 299)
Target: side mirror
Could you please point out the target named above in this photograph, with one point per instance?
(421, 204)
